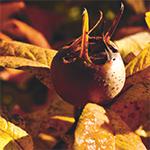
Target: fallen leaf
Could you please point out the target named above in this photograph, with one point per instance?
(128, 58)
(136, 78)
(140, 62)
(27, 57)
(133, 43)
(57, 115)
(138, 6)
(133, 104)
(18, 50)
(105, 130)
(20, 30)
(13, 137)
(4, 37)
(8, 9)
(54, 120)
(147, 18)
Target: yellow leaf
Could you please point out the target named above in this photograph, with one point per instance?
(103, 129)
(133, 43)
(13, 137)
(27, 57)
(147, 18)
(27, 52)
(140, 62)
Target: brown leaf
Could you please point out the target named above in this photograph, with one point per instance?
(102, 129)
(4, 37)
(8, 9)
(13, 137)
(136, 78)
(138, 6)
(54, 120)
(18, 29)
(133, 104)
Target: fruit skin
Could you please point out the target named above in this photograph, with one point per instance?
(78, 81)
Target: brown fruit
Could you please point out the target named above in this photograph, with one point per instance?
(91, 69)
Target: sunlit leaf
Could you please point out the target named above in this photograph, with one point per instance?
(102, 129)
(147, 18)
(13, 137)
(140, 62)
(40, 57)
(134, 43)
(27, 57)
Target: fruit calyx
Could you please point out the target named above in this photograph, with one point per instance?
(81, 46)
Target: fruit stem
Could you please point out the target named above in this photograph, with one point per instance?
(111, 30)
(85, 36)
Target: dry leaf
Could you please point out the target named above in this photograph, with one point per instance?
(134, 43)
(18, 29)
(105, 130)
(26, 51)
(140, 62)
(133, 105)
(136, 78)
(128, 58)
(147, 18)
(56, 111)
(8, 9)
(54, 121)
(4, 37)
(13, 137)
(138, 6)
(28, 57)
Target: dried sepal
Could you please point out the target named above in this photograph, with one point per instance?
(112, 28)
(85, 36)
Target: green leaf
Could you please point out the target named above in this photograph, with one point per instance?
(13, 137)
